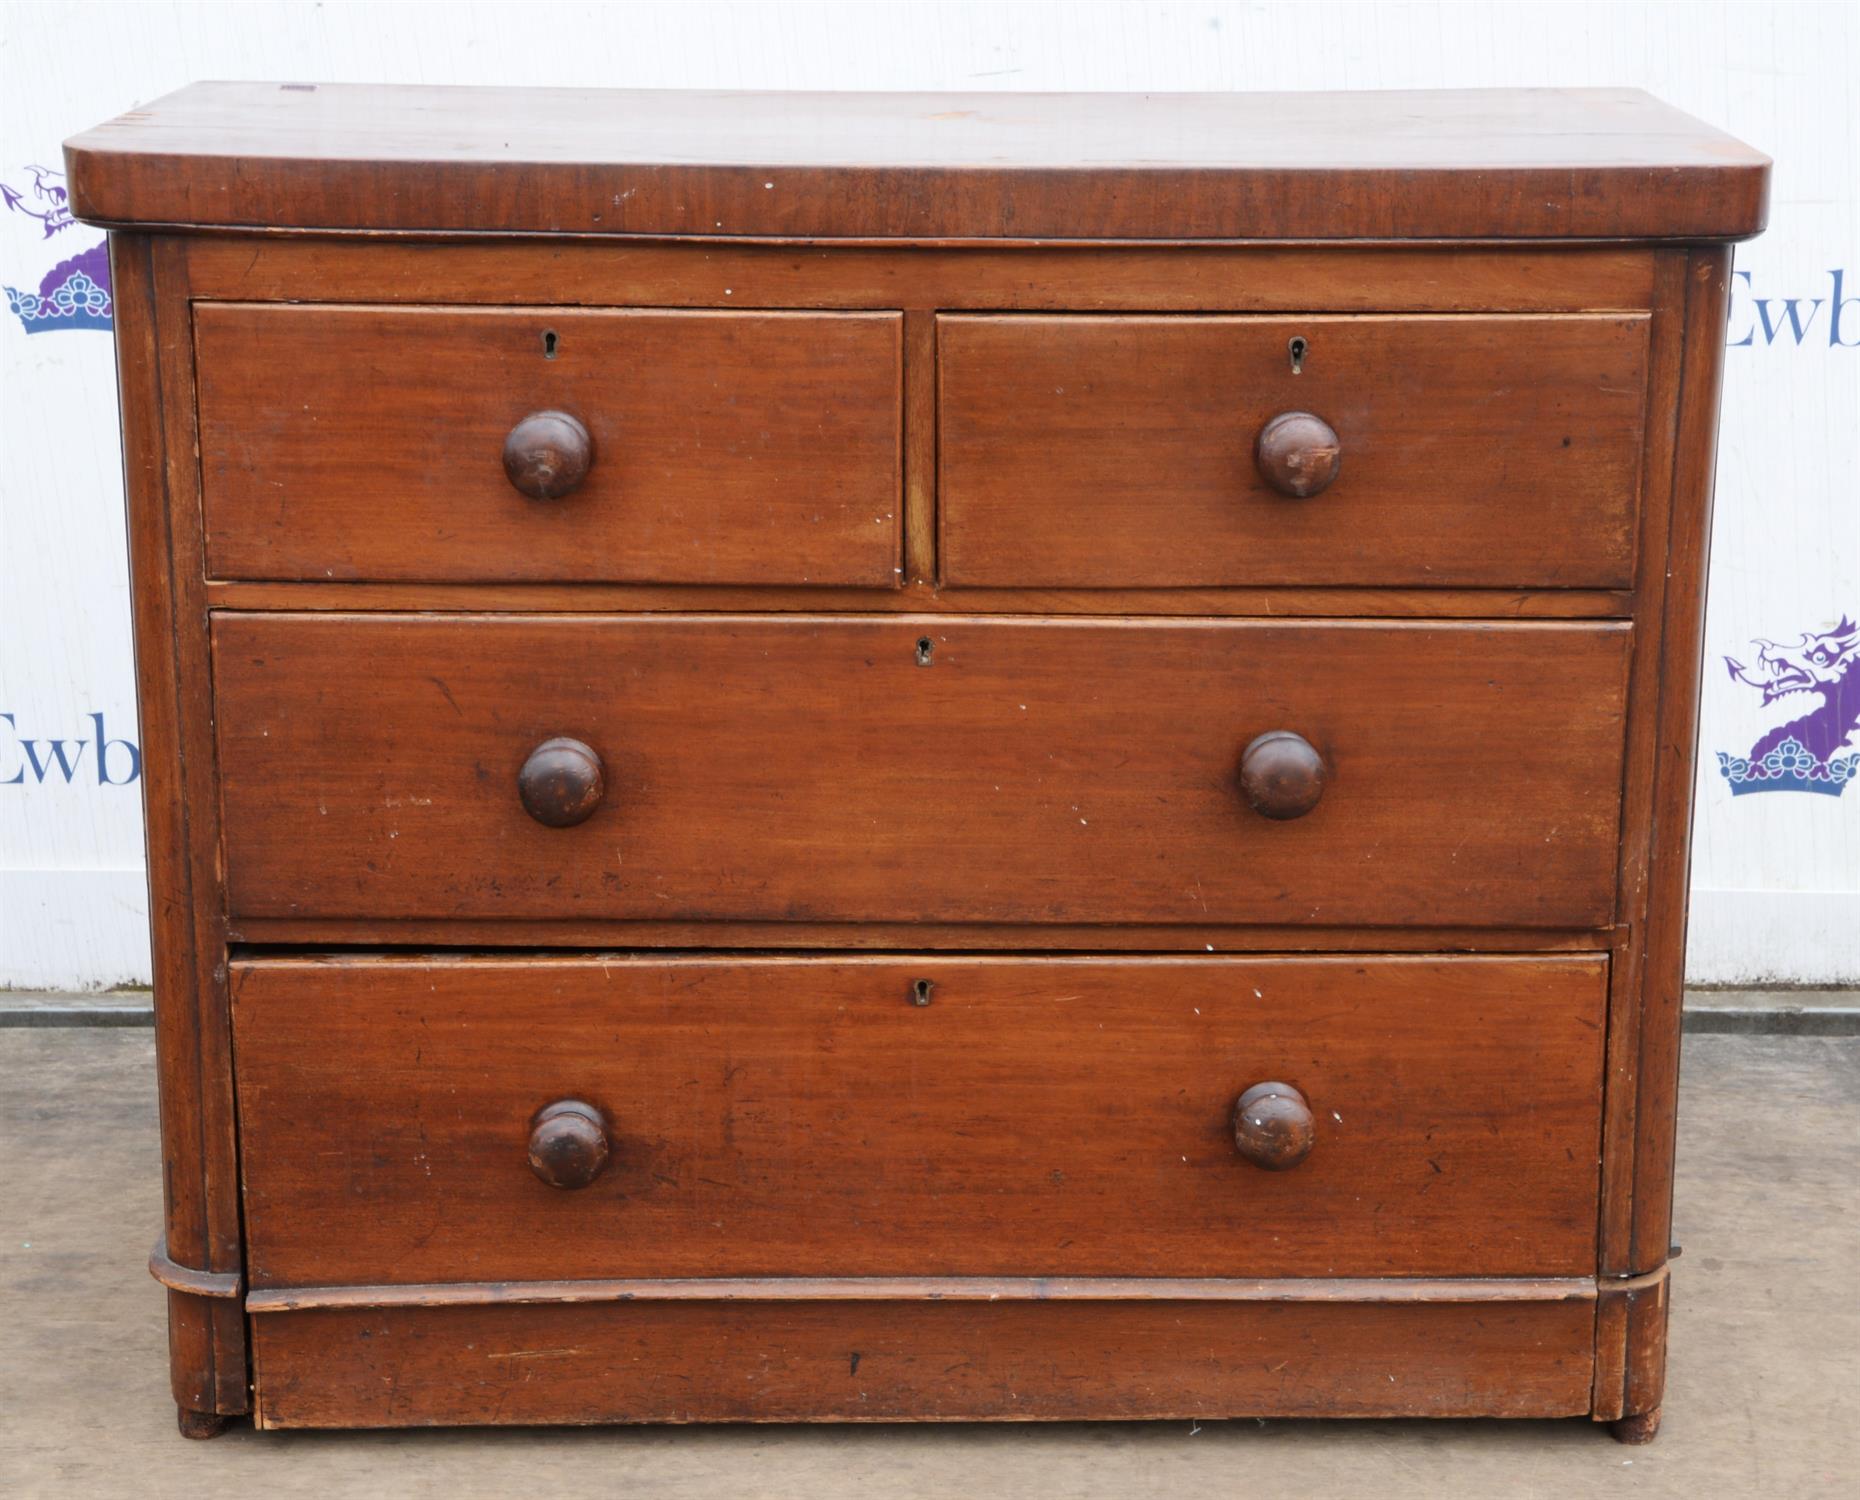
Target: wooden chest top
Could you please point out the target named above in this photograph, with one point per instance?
(1471, 164)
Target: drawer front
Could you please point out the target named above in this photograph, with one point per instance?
(1102, 452)
(369, 443)
(806, 1117)
(810, 769)
(920, 1359)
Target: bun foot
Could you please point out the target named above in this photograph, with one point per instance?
(1637, 1429)
(199, 1424)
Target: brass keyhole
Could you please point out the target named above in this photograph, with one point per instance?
(1297, 349)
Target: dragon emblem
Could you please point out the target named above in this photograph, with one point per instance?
(74, 293)
(50, 204)
(1803, 755)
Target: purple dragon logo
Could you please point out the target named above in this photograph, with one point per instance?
(74, 293)
(50, 204)
(1803, 755)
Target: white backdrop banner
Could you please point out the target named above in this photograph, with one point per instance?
(1777, 863)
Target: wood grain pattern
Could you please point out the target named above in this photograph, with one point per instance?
(920, 497)
(1655, 857)
(359, 442)
(914, 592)
(207, 1345)
(1192, 937)
(1058, 278)
(811, 770)
(1040, 1117)
(1119, 452)
(1648, 1308)
(935, 1361)
(1663, 926)
(1605, 1402)
(1630, 1346)
(1668, 353)
(921, 597)
(1451, 164)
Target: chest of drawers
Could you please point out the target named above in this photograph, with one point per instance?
(873, 757)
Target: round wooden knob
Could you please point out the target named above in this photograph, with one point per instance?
(1282, 774)
(547, 454)
(568, 1144)
(1298, 454)
(1273, 1127)
(561, 783)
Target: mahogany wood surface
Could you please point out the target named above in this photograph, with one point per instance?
(1445, 164)
(250, 934)
(363, 442)
(974, 770)
(1673, 344)
(1641, 1428)
(1397, 278)
(916, 506)
(1662, 923)
(1630, 1345)
(187, 923)
(1065, 1117)
(921, 597)
(677, 1361)
(199, 1425)
(1120, 451)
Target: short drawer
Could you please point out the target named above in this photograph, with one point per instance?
(799, 1117)
(358, 442)
(913, 769)
(1473, 451)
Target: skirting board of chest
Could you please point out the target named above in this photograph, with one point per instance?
(841, 757)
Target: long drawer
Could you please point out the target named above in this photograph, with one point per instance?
(918, 1360)
(390, 443)
(837, 769)
(918, 1116)
(1126, 451)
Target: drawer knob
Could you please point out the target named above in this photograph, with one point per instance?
(1298, 454)
(1273, 1127)
(547, 454)
(568, 1144)
(561, 783)
(1282, 774)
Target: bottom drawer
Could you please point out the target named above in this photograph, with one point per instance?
(925, 1116)
(1026, 1358)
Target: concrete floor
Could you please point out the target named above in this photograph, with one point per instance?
(1764, 1396)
